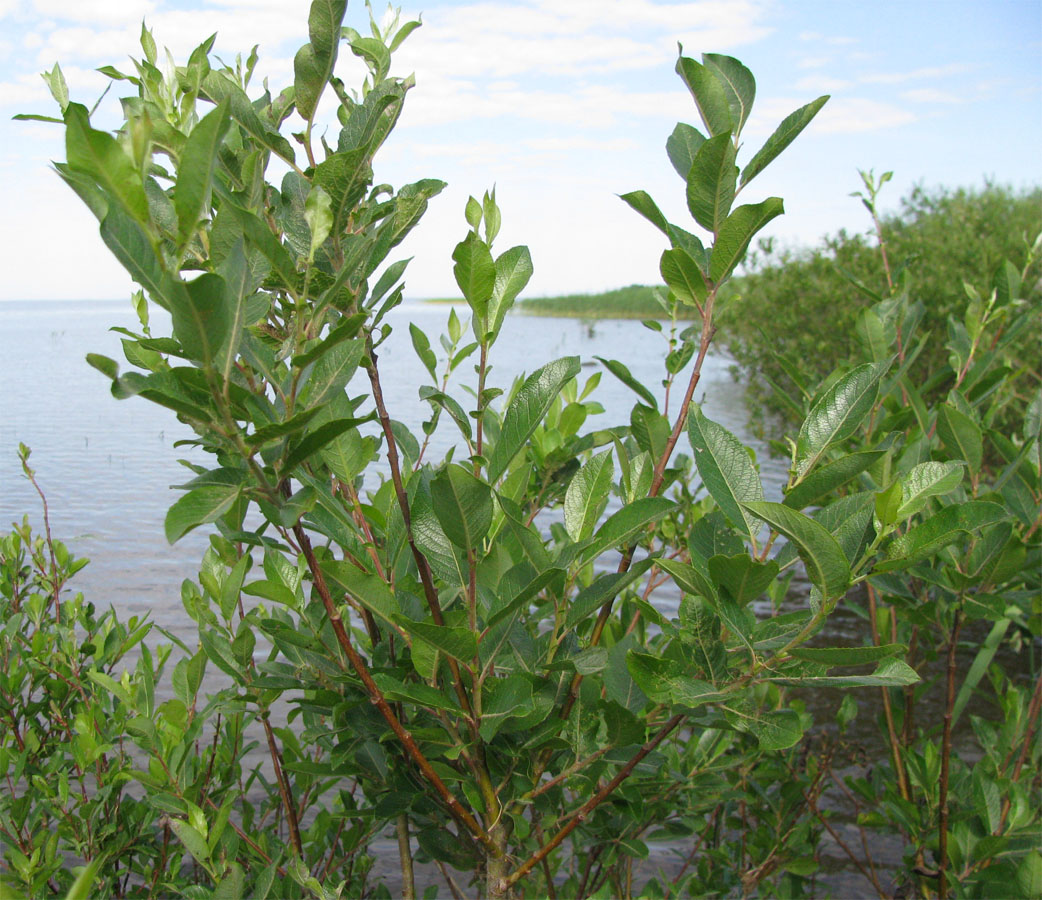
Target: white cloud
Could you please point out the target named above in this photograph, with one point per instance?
(594, 106)
(104, 11)
(852, 115)
(503, 40)
(25, 90)
(917, 74)
(813, 62)
(819, 38)
(930, 95)
(822, 84)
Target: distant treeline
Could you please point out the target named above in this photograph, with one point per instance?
(634, 302)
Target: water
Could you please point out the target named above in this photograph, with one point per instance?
(107, 465)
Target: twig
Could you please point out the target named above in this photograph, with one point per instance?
(946, 752)
(405, 857)
(580, 815)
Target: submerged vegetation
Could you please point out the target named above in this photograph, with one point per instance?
(470, 653)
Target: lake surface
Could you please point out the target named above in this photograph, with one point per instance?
(107, 465)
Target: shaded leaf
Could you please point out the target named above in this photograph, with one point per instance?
(827, 565)
(463, 505)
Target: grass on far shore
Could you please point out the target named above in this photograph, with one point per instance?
(634, 302)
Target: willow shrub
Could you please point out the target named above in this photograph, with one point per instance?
(469, 647)
(937, 241)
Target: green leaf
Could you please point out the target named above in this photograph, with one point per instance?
(711, 182)
(726, 470)
(961, 435)
(475, 273)
(928, 479)
(502, 699)
(823, 481)
(101, 156)
(641, 202)
(319, 439)
(683, 276)
(422, 346)
(623, 374)
(85, 885)
(710, 96)
(463, 505)
(587, 495)
(744, 578)
(199, 310)
(369, 590)
(108, 367)
(827, 565)
(681, 147)
(603, 589)
(981, 661)
(846, 656)
(199, 506)
(783, 135)
(457, 642)
(345, 330)
(737, 231)
(318, 213)
(524, 596)
(333, 371)
(314, 62)
(838, 413)
(688, 578)
(513, 270)
(739, 86)
(889, 673)
(937, 532)
(423, 695)
(623, 525)
(527, 409)
(777, 730)
(232, 885)
(130, 245)
(196, 169)
(218, 86)
(193, 841)
(275, 430)
(665, 681)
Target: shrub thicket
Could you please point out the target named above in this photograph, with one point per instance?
(802, 306)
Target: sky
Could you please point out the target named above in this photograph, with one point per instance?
(562, 105)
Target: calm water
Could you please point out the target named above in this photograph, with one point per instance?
(107, 465)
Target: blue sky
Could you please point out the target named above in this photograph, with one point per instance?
(563, 104)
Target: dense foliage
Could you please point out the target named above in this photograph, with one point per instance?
(552, 648)
(798, 310)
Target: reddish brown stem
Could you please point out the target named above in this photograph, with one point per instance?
(430, 592)
(888, 713)
(580, 815)
(376, 696)
(284, 791)
(946, 753)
